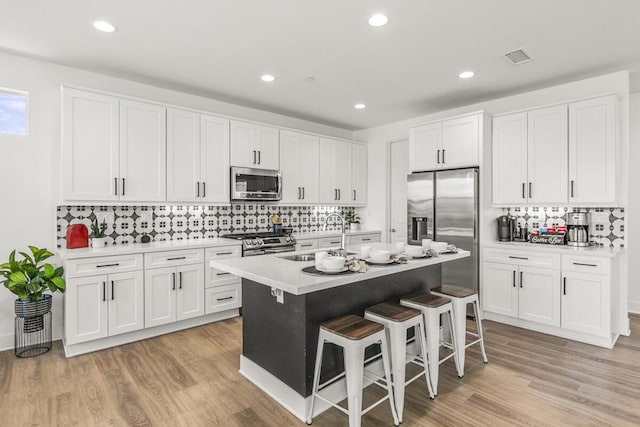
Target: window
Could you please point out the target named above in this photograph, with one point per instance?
(13, 112)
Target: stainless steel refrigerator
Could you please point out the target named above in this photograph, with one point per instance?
(443, 206)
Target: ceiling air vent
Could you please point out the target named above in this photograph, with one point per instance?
(517, 57)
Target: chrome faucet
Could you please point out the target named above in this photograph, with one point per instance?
(343, 242)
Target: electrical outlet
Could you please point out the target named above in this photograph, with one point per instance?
(600, 217)
(146, 216)
(278, 294)
(109, 217)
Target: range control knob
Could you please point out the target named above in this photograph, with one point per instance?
(287, 239)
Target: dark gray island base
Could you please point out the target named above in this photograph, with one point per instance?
(282, 338)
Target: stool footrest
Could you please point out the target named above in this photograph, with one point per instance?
(444, 359)
(335, 405)
(473, 342)
(473, 334)
(373, 405)
(331, 381)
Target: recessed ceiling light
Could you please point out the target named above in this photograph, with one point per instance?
(378, 20)
(267, 78)
(310, 79)
(466, 74)
(359, 106)
(104, 26)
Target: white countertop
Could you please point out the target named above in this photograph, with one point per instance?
(273, 271)
(136, 248)
(563, 249)
(331, 233)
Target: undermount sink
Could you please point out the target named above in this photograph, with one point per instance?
(302, 257)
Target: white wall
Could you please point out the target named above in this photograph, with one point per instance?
(632, 214)
(29, 175)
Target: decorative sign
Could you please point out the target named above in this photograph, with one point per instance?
(549, 239)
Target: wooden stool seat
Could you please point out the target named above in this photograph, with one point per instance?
(352, 327)
(454, 291)
(426, 300)
(393, 311)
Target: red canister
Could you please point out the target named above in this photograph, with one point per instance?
(77, 236)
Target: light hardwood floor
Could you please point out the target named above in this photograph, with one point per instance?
(191, 378)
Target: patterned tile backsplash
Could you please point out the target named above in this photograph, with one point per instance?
(127, 224)
(606, 224)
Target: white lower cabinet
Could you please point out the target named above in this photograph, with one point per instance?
(539, 295)
(585, 303)
(101, 306)
(500, 289)
(221, 298)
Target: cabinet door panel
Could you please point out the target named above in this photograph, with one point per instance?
(290, 166)
(509, 152)
(142, 152)
(214, 159)
(309, 168)
(183, 155)
(126, 302)
(243, 145)
(547, 155)
(343, 171)
(190, 296)
(592, 150)
(159, 296)
(86, 315)
(585, 303)
(268, 144)
(328, 168)
(358, 194)
(424, 143)
(90, 146)
(460, 139)
(539, 295)
(499, 289)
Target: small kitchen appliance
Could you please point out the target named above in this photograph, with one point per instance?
(578, 229)
(256, 184)
(506, 228)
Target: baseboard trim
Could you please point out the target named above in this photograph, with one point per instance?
(634, 307)
(104, 343)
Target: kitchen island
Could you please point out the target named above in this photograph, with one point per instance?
(283, 307)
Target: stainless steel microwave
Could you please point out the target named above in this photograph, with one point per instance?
(255, 184)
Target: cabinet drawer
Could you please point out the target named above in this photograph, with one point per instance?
(364, 239)
(329, 242)
(173, 258)
(215, 277)
(527, 258)
(223, 298)
(306, 244)
(586, 264)
(222, 252)
(103, 265)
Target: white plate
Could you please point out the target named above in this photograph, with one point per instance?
(416, 256)
(332, 271)
(370, 261)
(448, 252)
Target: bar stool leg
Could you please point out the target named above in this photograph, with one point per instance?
(387, 375)
(422, 345)
(398, 344)
(460, 331)
(316, 375)
(479, 327)
(433, 347)
(354, 367)
(454, 342)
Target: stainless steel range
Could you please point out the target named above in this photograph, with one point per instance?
(263, 243)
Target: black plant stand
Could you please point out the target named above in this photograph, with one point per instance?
(33, 327)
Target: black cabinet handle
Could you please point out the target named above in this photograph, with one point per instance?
(113, 293)
(518, 257)
(104, 291)
(108, 265)
(564, 286)
(123, 186)
(572, 189)
(222, 274)
(521, 279)
(303, 195)
(259, 155)
(586, 265)
(115, 185)
(366, 240)
(438, 155)
(176, 258)
(254, 157)
(524, 196)
(335, 194)
(197, 189)
(224, 299)
(335, 243)
(443, 151)
(514, 278)
(355, 195)
(224, 253)
(306, 245)
(530, 192)
(180, 274)
(204, 189)
(339, 194)
(173, 278)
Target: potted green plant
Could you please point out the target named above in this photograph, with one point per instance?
(29, 279)
(98, 239)
(353, 220)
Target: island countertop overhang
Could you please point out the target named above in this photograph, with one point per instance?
(287, 275)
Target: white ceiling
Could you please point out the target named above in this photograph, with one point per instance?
(219, 48)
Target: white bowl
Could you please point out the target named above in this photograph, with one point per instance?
(333, 262)
(439, 246)
(379, 255)
(414, 250)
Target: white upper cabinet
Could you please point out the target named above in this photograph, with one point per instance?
(254, 146)
(142, 170)
(452, 143)
(358, 194)
(89, 146)
(335, 171)
(547, 155)
(510, 159)
(299, 166)
(198, 157)
(592, 151)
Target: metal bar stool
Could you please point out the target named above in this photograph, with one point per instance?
(354, 334)
(397, 319)
(460, 297)
(432, 307)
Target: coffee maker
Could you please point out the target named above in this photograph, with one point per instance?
(506, 228)
(578, 229)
